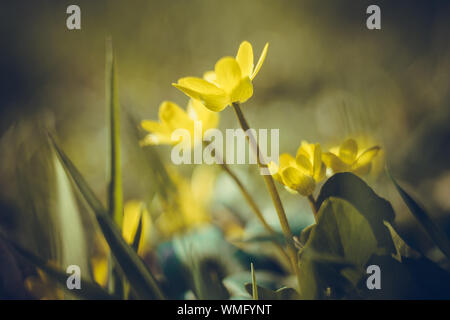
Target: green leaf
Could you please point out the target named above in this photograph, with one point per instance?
(138, 235)
(436, 234)
(338, 247)
(284, 293)
(115, 194)
(304, 235)
(403, 249)
(140, 278)
(88, 291)
(374, 208)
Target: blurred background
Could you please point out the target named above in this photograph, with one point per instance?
(326, 77)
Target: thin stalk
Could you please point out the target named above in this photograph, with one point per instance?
(313, 205)
(273, 194)
(251, 202)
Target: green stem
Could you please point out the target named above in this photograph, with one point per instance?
(313, 204)
(273, 194)
(221, 161)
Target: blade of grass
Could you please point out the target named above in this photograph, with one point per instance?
(140, 278)
(89, 290)
(254, 286)
(115, 196)
(137, 236)
(436, 234)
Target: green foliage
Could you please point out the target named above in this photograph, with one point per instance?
(374, 208)
(115, 196)
(355, 229)
(88, 289)
(436, 234)
(140, 278)
(340, 244)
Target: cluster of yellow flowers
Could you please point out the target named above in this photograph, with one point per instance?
(302, 173)
(231, 82)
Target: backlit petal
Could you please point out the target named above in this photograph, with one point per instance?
(274, 171)
(210, 76)
(306, 149)
(286, 160)
(214, 98)
(174, 117)
(348, 151)
(361, 170)
(304, 163)
(199, 86)
(298, 181)
(100, 270)
(154, 127)
(317, 160)
(131, 217)
(197, 111)
(157, 139)
(334, 162)
(367, 156)
(260, 61)
(245, 58)
(243, 91)
(228, 74)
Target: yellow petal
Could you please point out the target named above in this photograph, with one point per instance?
(368, 155)
(243, 91)
(321, 174)
(334, 162)
(298, 181)
(260, 61)
(304, 163)
(274, 171)
(100, 270)
(286, 160)
(348, 151)
(209, 94)
(245, 58)
(317, 161)
(210, 76)
(157, 139)
(228, 74)
(161, 133)
(197, 111)
(362, 170)
(306, 149)
(131, 217)
(154, 127)
(174, 117)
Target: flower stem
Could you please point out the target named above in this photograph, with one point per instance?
(251, 202)
(273, 194)
(313, 204)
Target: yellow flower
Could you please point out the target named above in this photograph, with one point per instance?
(134, 211)
(42, 287)
(189, 209)
(348, 157)
(300, 174)
(231, 80)
(172, 117)
(100, 260)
